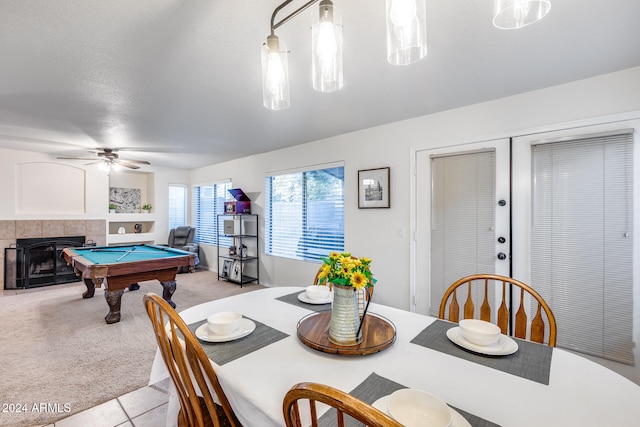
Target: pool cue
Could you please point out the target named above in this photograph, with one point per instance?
(125, 254)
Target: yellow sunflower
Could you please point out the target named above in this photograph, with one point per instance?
(324, 271)
(358, 280)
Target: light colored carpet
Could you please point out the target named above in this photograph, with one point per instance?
(57, 351)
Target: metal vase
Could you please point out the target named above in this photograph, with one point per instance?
(345, 321)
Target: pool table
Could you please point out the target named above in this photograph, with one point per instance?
(121, 267)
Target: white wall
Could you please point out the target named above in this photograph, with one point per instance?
(384, 234)
(96, 189)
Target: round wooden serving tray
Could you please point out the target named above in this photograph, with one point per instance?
(377, 333)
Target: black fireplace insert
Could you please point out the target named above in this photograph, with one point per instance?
(37, 262)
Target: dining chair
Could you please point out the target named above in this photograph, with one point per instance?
(190, 369)
(344, 403)
(485, 290)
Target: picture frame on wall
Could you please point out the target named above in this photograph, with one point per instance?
(374, 188)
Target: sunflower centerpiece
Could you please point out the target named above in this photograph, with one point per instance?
(347, 274)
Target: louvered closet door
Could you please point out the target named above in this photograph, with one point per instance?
(573, 227)
(462, 217)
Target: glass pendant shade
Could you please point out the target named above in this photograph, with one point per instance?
(326, 48)
(513, 14)
(406, 31)
(275, 75)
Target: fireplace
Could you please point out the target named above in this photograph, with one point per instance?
(37, 262)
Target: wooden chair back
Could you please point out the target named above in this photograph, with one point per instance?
(344, 403)
(189, 367)
(481, 290)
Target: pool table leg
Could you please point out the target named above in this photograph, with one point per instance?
(91, 288)
(113, 298)
(169, 289)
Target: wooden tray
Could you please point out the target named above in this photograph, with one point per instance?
(378, 334)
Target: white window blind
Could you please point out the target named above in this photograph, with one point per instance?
(462, 219)
(581, 247)
(177, 205)
(304, 213)
(208, 201)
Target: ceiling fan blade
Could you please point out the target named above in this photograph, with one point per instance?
(76, 158)
(142, 162)
(126, 164)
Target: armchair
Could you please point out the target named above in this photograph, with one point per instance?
(183, 238)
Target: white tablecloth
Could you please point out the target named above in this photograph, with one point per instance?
(580, 392)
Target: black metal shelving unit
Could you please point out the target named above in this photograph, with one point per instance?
(239, 263)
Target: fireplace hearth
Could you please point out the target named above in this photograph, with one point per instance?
(37, 262)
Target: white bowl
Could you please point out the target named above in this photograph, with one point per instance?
(317, 292)
(418, 408)
(224, 322)
(479, 332)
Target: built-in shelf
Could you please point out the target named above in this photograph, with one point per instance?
(131, 190)
(128, 221)
(129, 238)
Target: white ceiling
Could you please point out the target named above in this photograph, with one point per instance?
(178, 82)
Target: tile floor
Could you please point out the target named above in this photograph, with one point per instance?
(145, 407)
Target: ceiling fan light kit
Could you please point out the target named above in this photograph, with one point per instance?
(406, 41)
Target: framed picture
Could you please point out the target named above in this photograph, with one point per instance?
(236, 271)
(373, 188)
(226, 268)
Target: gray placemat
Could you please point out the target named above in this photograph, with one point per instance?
(375, 387)
(293, 299)
(224, 352)
(532, 360)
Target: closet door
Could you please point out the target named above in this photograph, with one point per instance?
(462, 217)
(573, 210)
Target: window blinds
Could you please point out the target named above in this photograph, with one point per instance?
(177, 205)
(208, 201)
(462, 219)
(304, 213)
(581, 246)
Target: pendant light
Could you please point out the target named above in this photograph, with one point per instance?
(326, 48)
(275, 74)
(513, 14)
(406, 31)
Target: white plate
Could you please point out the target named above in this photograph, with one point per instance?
(505, 345)
(304, 298)
(457, 420)
(205, 334)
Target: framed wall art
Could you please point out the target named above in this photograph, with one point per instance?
(373, 188)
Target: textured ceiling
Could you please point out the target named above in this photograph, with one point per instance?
(178, 82)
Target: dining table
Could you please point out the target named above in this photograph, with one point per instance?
(536, 385)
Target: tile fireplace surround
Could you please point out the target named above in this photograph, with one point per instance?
(11, 230)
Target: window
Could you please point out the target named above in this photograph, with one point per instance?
(304, 213)
(208, 201)
(177, 205)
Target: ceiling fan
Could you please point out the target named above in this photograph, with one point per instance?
(110, 158)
